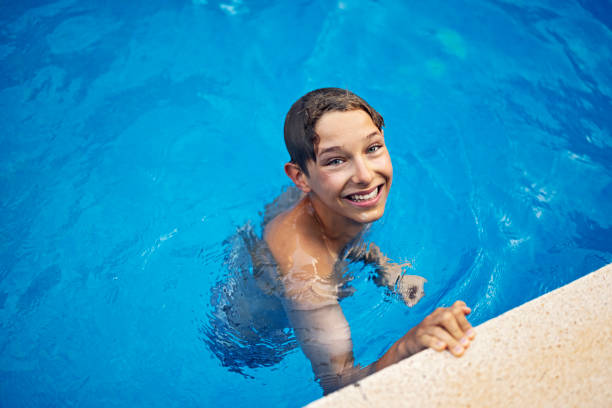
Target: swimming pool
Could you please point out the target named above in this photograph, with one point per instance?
(138, 137)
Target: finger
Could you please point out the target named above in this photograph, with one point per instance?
(462, 321)
(459, 303)
(456, 348)
(467, 328)
(433, 342)
(448, 320)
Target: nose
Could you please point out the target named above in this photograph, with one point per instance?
(362, 174)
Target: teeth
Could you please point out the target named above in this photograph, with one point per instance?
(358, 197)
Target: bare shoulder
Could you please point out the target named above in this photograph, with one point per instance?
(305, 265)
(279, 238)
(295, 242)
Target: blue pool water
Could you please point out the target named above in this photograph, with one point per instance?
(138, 136)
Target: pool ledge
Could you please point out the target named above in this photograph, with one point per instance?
(553, 351)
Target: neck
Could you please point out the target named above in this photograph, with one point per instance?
(337, 229)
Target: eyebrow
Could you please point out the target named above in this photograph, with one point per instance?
(337, 148)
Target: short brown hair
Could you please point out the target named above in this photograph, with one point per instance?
(300, 136)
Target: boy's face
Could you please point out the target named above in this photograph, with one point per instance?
(352, 174)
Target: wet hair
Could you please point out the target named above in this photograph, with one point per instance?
(300, 137)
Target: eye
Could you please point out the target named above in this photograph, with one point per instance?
(374, 148)
(334, 162)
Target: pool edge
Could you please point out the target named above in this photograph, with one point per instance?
(555, 350)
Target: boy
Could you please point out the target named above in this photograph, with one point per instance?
(340, 162)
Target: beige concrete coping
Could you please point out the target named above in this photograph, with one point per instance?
(554, 351)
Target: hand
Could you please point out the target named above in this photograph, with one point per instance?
(446, 328)
(410, 288)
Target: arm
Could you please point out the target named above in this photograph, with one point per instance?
(310, 298)
(325, 338)
(445, 328)
(389, 274)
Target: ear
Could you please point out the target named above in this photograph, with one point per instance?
(296, 174)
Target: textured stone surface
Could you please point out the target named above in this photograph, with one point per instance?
(554, 351)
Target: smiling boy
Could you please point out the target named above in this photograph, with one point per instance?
(339, 160)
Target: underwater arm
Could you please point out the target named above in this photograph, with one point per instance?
(325, 338)
(445, 328)
(324, 334)
(310, 287)
(389, 274)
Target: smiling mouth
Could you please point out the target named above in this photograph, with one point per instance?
(365, 197)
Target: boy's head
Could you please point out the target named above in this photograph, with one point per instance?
(300, 136)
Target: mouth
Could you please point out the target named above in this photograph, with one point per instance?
(366, 198)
